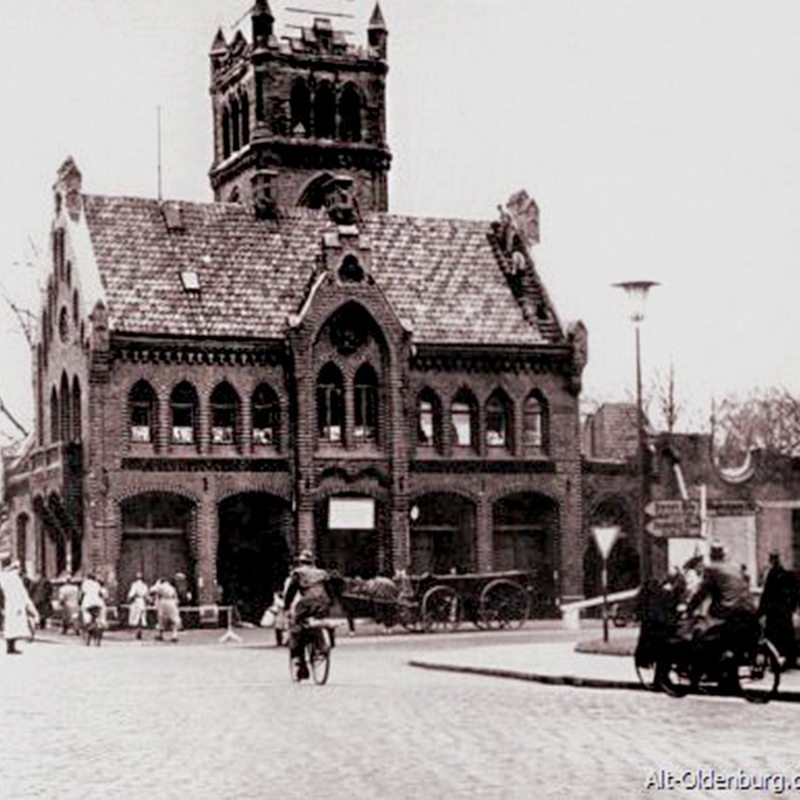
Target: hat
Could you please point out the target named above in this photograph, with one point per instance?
(717, 551)
(305, 557)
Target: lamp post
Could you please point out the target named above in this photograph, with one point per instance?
(637, 292)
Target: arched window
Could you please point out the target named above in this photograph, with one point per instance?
(142, 412)
(245, 106)
(54, 416)
(300, 106)
(351, 271)
(76, 409)
(498, 420)
(235, 125)
(183, 406)
(365, 413)
(350, 114)
(463, 419)
(324, 112)
(226, 133)
(64, 406)
(224, 414)
(429, 419)
(265, 411)
(534, 422)
(330, 404)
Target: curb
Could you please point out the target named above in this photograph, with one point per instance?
(566, 680)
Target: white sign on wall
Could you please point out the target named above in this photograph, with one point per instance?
(351, 513)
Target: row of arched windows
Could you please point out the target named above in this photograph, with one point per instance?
(225, 414)
(464, 418)
(331, 405)
(235, 124)
(324, 115)
(65, 411)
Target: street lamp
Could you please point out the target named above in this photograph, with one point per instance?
(637, 292)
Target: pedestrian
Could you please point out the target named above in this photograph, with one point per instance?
(69, 604)
(777, 606)
(137, 608)
(168, 616)
(19, 613)
(93, 600)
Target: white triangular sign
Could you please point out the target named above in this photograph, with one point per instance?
(605, 538)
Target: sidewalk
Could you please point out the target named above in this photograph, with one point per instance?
(559, 663)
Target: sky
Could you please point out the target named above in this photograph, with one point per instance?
(661, 141)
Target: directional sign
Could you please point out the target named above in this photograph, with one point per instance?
(673, 518)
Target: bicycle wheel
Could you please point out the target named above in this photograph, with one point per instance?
(318, 656)
(760, 675)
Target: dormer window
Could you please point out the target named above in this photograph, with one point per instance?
(190, 280)
(351, 271)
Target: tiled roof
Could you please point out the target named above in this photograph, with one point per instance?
(439, 274)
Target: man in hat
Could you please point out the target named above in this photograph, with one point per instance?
(19, 613)
(777, 606)
(311, 584)
(137, 605)
(732, 623)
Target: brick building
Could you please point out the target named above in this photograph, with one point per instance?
(218, 384)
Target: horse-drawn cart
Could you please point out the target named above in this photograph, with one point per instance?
(490, 600)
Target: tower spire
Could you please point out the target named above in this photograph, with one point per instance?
(377, 33)
(262, 21)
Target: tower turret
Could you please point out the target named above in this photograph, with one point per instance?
(303, 109)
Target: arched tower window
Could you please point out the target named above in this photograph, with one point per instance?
(183, 406)
(429, 420)
(350, 114)
(330, 404)
(365, 412)
(235, 125)
(76, 409)
(463, 417)
(265, 411)
(65, 427)
(54, 416)
(324, 112)
(224, 414)
(142, 412)
(226, 133)
(534, 422)
(245, 110)
(300, 106)
(498, 420)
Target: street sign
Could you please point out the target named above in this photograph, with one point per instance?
(673, 518)
(605, 538)
(731, 508)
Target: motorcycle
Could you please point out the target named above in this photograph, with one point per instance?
(683, 662)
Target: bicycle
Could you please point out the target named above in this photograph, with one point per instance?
(93, 628)
(318, 640)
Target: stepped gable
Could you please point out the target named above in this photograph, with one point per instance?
(442, 275)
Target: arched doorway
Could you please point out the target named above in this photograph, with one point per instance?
(623, 560)
(156, 534)
(442, 533)
(525, 537)
(253, 551)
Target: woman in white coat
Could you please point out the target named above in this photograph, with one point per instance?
(20, 616)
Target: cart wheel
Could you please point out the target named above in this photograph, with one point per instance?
(503, 604)
(440, 609)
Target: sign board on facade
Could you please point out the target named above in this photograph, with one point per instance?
(731, 508)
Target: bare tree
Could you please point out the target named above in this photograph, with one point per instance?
(767, 419)
(669, 406)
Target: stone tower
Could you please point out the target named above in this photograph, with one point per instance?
(296, 118)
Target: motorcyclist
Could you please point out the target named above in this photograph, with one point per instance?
(731, 624)
(311, 583)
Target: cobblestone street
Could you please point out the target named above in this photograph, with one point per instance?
(201, 719)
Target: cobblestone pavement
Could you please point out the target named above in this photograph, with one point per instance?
(200, 719)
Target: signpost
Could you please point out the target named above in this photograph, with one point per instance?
(604, 537)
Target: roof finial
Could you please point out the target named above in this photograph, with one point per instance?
(377, 33)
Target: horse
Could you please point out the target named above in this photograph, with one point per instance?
(367, 597)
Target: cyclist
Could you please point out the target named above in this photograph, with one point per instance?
(311, 584)
(732, 624)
